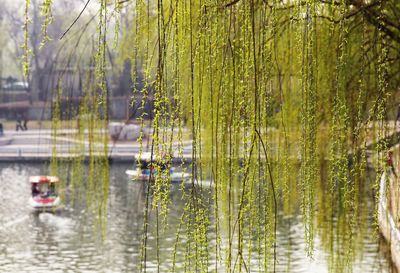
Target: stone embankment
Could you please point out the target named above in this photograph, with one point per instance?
(389, 208)
(37, 146)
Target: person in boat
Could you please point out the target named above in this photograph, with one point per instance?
(164, 166)
(146, 167)
(52, 190)
(45, 192)
(390, 163)
(160, 165)
(35, 190)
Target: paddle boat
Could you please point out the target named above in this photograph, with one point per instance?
(145, 169)
(44, 193)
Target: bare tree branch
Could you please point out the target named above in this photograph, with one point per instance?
(231, 3)
(76, 19)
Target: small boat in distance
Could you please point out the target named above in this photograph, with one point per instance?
(145, 168)
(44, 193)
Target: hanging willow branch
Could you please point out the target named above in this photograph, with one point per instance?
(222, 77)
(273, 193)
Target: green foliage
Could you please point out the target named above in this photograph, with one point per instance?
(273, 94)
(25, 46)
(46, 13)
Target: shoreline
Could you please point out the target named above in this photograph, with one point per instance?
(386, 221)
(34, 146)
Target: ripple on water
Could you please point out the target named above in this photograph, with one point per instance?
(70, 241)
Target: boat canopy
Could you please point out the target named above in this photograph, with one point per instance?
(43, 179)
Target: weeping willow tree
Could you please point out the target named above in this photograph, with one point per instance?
(271, 93)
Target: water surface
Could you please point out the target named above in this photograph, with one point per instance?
(71, 241)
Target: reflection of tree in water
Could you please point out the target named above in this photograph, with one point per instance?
(343, 229)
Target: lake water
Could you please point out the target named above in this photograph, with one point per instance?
(71, 241)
